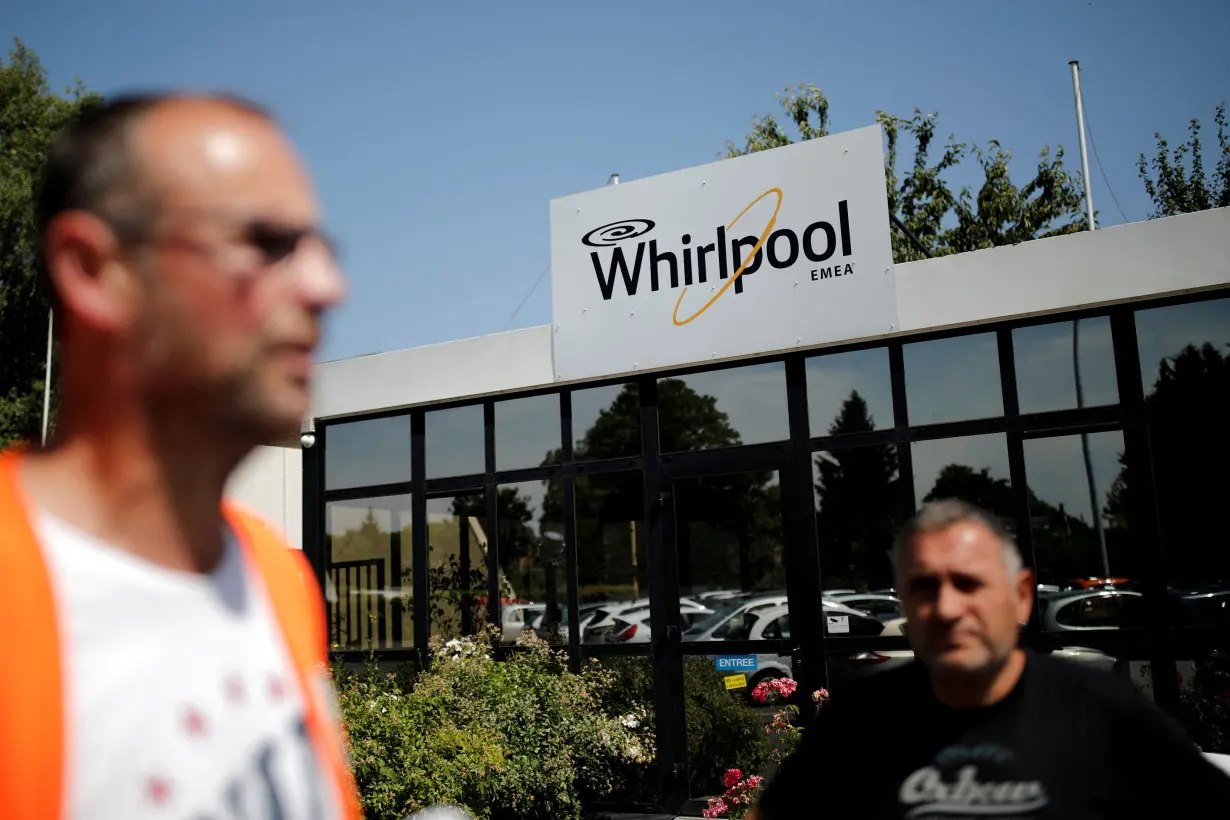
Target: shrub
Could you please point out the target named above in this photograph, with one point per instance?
(521, 738)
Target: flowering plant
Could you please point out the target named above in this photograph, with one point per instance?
(742, 793)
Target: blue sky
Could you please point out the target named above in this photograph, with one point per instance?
(440, 132)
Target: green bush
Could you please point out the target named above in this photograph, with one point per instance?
(525, 738)
(522, 738)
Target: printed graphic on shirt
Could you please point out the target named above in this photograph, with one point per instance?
(276, 777)
(971, 781)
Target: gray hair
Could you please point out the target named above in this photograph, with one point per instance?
(942, 514)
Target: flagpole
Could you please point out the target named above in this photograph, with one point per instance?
(47, 376)
(1076, 364)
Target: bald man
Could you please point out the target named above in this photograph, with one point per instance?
(182, 243)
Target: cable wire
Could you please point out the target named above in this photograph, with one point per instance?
(537, 282)
(1093, 143)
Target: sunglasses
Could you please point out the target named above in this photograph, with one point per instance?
(274, 242)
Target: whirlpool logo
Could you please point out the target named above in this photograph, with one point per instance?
(728, 259)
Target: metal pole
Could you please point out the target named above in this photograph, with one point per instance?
(1076, 363)
(51, 314)
(1080, 127)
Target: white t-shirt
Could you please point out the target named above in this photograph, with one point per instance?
(181, 698)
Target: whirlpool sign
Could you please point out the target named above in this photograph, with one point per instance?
(771, 251)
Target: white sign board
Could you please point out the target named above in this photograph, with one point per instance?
(770, 251)
(838, 624)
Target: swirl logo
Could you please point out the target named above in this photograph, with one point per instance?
(616, 232)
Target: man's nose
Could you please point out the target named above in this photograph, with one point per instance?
(949, 603)
(319, 277)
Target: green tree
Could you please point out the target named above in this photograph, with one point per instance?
(998, 213)
(858, 504)
(1177, 189)
(30, 116)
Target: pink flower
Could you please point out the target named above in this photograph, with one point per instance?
(732, 777)
(717, 808)
(820, 696)
(754, 781)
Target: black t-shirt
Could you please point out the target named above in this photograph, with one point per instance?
(1067, 742)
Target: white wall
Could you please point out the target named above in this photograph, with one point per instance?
(269, 483)
(1140, 260)
(470, 367)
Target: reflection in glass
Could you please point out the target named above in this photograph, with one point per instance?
(953, 379)
(1184, 349)
(368, 583)
(532, 552)
(611, 550)
(1079, 529)
(1185, 366)
(367, 453)
(859, 509)
(454, 441)
(724, 729)
(728, 531)
(606, 422)
(723, 408)
(1048, 377)
(833, 381)
(527, 432)
(457, 565)
(971, 468)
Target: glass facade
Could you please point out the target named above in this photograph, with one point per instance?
(670, 523)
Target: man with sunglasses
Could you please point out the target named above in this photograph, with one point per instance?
(164, 649)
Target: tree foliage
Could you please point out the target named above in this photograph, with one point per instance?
(30, 116)
(998, 213)
(1177, 189)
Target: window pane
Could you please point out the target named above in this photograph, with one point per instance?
(859, 508)
(849, 392)
(1046, 372)
(533, 585)
(367, 453)
(612, 564)
(1189, 464)
(1183, 349)
(527, 432)
(953, 379)
(369, 581)
(971, 468)
(454, 442)
(606, 422)
(1088, 572)
(1185, 365)
(457, 565)
(723, 408)
(728, 530)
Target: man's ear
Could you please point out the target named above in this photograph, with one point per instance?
(1025, 595)
(93, 282)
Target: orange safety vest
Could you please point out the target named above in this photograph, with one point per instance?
(33, 725)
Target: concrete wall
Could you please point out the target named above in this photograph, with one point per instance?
(270, 484)
(470, 367)
(1136, 261)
